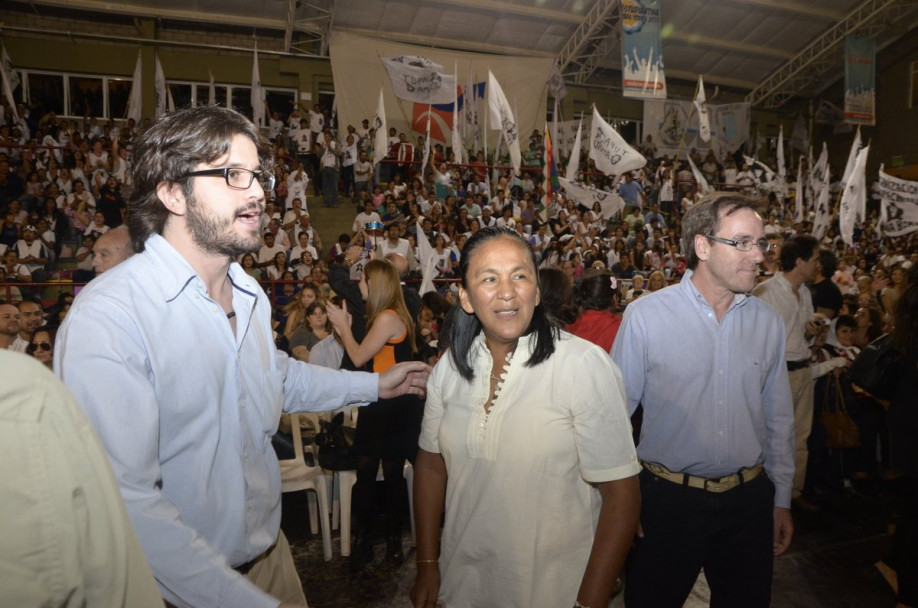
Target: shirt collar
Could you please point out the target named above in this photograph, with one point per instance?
(688, 287)
(175, 273)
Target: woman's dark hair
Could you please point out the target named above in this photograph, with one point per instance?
(557, 295)
(595, 291)
(465, 327)
(174, 146)
(905, 330)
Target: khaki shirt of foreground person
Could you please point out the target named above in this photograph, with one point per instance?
(66, 538)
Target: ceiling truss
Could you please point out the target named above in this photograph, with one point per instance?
(820, 57)
(591, 41)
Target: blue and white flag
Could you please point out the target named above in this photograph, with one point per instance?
(642, 50)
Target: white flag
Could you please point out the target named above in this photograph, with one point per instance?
(609, 202)
(456, 139)
(381, 139)
(502, 118)
(159, 82)
(852, 157)
(258, 92)
(10, 81)
(419, 79)
(574, 163)
(211, 91)
(426, 146)
(556, 86)
(135, 99)
(427, 259)
(854, 198)
(798, 193)
(699, 178)
(704, 122)
(782, 170)
(612, 155)
(821, 219)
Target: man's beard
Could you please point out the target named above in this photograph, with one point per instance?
(216, 235)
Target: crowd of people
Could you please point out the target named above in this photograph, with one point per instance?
(79, 197)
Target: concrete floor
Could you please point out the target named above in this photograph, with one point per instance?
(831, 563)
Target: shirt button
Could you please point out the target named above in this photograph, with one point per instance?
(720, 372)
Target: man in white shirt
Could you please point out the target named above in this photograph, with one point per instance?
(395, 244)
(292, 217)
(269, 250)
(296, 186)
(363, 171)
(10, 324)
(365, 217)
(788, 295)
(32, 253)
(305, 225)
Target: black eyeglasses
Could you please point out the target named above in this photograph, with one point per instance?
(238, 178)
(42, 345)
(762, 244)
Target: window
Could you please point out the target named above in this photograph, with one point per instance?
(48, 90)
(119, 90)
(242, 100)
(86, 97)
(281, 102)
(181, 95)
(202, 93)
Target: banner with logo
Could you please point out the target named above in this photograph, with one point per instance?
(898, 205)
(672, 123)
(860, 80)
(642, 50)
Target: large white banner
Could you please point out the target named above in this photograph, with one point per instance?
(672, 122)
(642, 50)
(898, 205)
(358, 73)
(419, 79)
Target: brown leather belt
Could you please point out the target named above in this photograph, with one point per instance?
(722, 484)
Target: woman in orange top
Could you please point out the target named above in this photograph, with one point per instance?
(387, 431)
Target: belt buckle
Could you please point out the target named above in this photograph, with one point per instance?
(721, 484)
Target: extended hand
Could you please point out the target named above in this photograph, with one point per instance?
(426, 587)
(339, 316)
(409, 378)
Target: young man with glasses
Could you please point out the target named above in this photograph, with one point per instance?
(706, 361)
(192, 386)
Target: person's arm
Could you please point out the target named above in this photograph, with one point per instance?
(387, 326)
(291, 324)
(98, 341)
(621, 506)
(429, 494)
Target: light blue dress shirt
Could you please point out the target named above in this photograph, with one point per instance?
(186, 410)
(716, 395)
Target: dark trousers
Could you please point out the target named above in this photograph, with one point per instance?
(729, 534)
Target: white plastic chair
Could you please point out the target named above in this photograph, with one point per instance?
(341, 502)
(297, 475)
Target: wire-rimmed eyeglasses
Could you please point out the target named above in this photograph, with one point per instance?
(762, 244)
(239, 178)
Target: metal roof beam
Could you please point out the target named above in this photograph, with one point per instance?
(804, 10)
(440, 43)
(507, 8)
(784, 82)
(150, 12)
(584, 48)
(729, 45)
